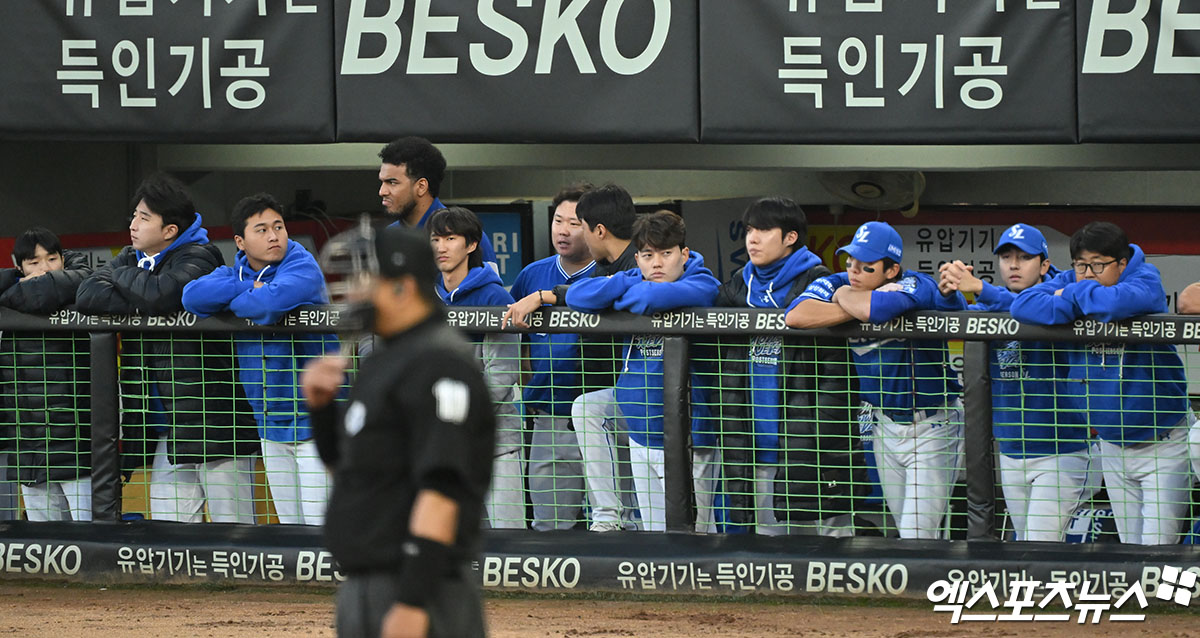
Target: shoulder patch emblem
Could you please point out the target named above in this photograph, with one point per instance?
(355, 419)
(453, 400)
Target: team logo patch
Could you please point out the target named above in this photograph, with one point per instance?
(453, 400)
(356, 418)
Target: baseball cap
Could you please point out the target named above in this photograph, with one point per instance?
(874, 241)
(405, 251)
(1025, 237)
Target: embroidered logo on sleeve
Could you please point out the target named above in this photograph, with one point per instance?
(355, 419)
(453, 400)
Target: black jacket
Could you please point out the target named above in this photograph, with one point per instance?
(820, 457)
(602, 355)
(192, 375)
(418, 417)
(44, 390)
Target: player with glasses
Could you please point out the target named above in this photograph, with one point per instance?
(1135, 393)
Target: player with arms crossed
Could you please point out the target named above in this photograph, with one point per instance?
(907, 385)
(1136, 393)
(1038, 416)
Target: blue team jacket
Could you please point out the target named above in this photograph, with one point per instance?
(268, 363)
(481, 287)
(898, 375)
(1037, 409)
(554, 358)
(766, 288)
(639, 387)
(1134, 391)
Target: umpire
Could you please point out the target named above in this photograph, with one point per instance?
(411, 458)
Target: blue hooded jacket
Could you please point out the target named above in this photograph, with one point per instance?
(269, 364)
(554, 358)
(1134, 392)
(898, 376)
(481, 287)
(766, 288)
(639, 387)
(1036, 408)
(195, 234)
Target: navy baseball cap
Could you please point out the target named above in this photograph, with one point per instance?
(874, 241)
(405, 251)
(1025, 237)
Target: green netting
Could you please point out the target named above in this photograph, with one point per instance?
(209, 435)
(44, 425)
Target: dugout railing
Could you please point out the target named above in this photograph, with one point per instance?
(679, 330)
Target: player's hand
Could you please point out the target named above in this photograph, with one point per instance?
(258, 284)
(960, 276)
(518, 311)
(892, 287)
(1058, 293)
(322, 379)
(403, 621)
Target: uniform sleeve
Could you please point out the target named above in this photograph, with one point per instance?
(821, 289)
(521, 284)
(296, 284)
(1139, 295)
(886, 306)
(649, 297)
(449, 401)
(212, 293)
(994, 298)
(600, 293)
(1039, 305)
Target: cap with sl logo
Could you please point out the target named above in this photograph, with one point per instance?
(874, 241)
(1025, 237)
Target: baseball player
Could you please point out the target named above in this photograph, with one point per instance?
(912, 395)
(1136, 394)
(411, 457)
(1038, 415)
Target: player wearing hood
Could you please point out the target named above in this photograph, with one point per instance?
(1136, 394)
(787, 405)
(668, 277)
(184, 386)
(455, 234)
(1039, 420)
(271, 276)
(911, 394)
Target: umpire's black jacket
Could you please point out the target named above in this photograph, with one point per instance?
(418, 417)
(820, 466)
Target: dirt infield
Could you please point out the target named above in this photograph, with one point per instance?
(38, 609)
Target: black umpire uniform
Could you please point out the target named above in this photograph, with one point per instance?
(418, 418)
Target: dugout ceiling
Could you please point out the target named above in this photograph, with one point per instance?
(612, 71)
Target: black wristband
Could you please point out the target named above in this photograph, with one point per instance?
(424, 563)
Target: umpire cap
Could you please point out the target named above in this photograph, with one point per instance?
(405, 251)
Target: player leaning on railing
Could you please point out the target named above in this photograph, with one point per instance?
(1038, 415)
(465, 280)
(786, 406)
(913, 397)
(556, 483)
(668, 276)
(44, 382)
(1136, 393)
(271, 276)
(207, 441)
